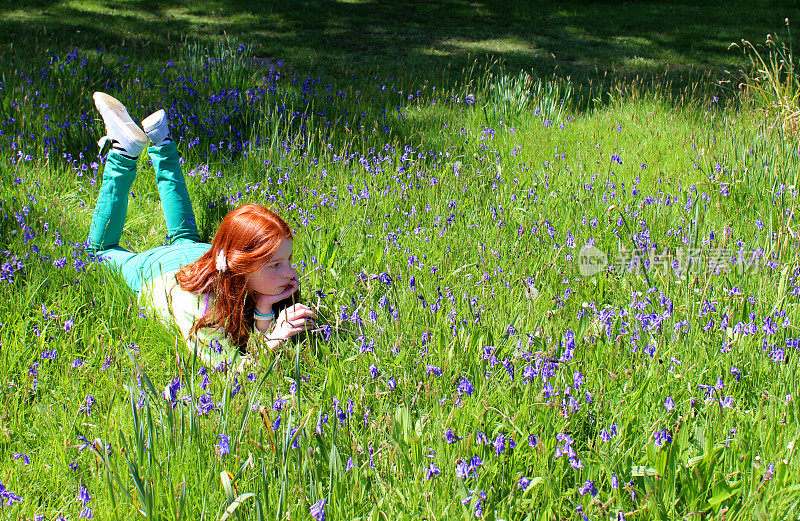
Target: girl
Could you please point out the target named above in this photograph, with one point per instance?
(220, 295)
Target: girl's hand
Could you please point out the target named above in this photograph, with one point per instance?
(264, 302)
(291, 321)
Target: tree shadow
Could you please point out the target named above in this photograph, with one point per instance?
(413, 39)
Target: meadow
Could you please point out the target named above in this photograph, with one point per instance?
(543, 297)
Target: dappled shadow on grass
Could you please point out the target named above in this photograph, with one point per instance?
(437, 40)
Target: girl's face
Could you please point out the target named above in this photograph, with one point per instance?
(274, 276)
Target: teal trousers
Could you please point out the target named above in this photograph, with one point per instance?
(111, 211)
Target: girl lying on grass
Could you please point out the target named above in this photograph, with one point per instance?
(221, 295)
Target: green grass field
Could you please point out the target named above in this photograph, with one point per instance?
(446, 210)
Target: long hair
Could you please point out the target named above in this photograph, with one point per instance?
(249, 237)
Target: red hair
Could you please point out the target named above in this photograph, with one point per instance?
(249, 237)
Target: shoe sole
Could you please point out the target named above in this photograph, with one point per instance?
(116, 116)
(153, 120)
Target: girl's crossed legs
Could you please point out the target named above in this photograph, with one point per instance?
(112, 208)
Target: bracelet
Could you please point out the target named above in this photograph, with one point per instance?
(263, 316)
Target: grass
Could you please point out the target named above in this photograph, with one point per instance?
(665, 393)
(600, 40)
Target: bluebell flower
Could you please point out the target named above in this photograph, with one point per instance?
(7, 497)
(87, 406)
(770, 472)
(451, 437)
(317, 510)
(431, 471)
(205, 403)
(661, 437)
(465, 387)
(588, 488)
(224, 444)
(499, 444)
(24, 457)
(84, 496)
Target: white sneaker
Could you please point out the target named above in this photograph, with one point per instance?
(156, 126)
(125, 135)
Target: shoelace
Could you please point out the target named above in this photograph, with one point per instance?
(105, 140)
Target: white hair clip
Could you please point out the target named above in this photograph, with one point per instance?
(222, 262)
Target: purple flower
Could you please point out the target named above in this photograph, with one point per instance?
(661, 437)
(524, 483)
(84, 496)
(431, 471)
(204, 404)
(451, 437)
(499, 444)
(465, 387)
(85, 444)
(25, 459)
(7, 497)
(669, 404)
(224, 446)
(770, 472)
(577, 379)
(588, 488)
(317, 510)
(432, 369)
(87, 406)
(171, 391)
(606, 435)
